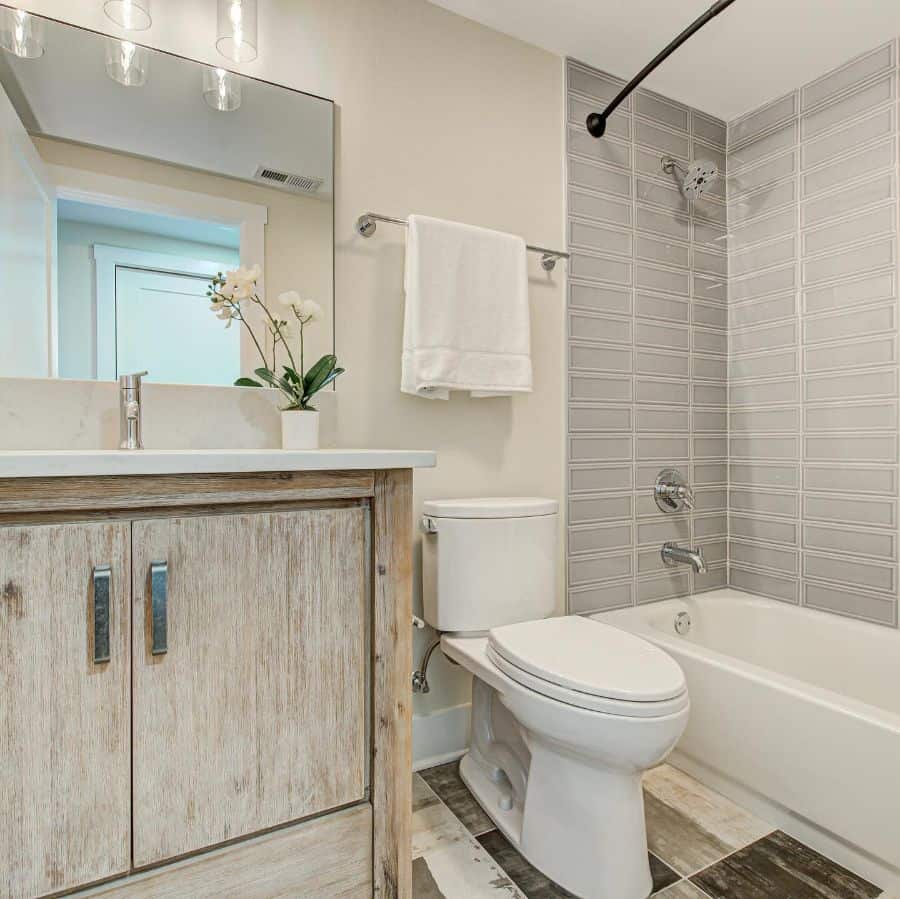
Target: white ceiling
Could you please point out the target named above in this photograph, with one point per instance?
(754, 51)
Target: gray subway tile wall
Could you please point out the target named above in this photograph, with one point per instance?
(648, 347)
(813, 364)
(750, 342)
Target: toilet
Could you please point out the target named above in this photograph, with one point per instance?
(567, 713)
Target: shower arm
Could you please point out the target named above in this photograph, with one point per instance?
(669, 164)
(596, 121)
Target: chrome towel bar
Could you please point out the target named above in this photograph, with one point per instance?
(368, 222)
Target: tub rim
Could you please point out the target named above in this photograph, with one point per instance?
(794, 686)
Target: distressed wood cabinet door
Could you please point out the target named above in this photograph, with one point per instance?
(254, 712)
(64, 716)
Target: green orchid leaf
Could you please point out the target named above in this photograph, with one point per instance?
(318, 371)
(271, 378)
(330, 378)
(292, 376)
(246, 382)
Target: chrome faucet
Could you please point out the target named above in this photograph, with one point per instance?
(673, 554)
(130, 411)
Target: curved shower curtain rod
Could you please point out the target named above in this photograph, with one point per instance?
(596, 121)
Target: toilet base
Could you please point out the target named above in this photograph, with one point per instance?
(493, 797)
(563, 783)
(622, 874)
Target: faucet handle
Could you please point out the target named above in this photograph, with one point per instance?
(132, 381)
(672, 492)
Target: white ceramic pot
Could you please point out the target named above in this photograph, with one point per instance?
(299, 429)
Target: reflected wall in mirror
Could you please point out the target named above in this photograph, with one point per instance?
(128, 178)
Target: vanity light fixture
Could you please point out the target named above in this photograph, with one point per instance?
(237, 32)
(21, 33)
(132, 15)
(127, 63)
(221, 89)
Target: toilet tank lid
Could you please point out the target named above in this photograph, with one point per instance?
(491, 507)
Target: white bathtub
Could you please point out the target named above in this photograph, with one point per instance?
(795, 714)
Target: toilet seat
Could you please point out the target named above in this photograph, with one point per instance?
(590, 665)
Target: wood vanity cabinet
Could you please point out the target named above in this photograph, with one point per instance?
(205, 685)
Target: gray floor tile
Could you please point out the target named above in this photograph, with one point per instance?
(526, 877)
(682, 843)
(536, 885)
(424, 886)
(711, 811)
(684, 889)
(446, 782)
(779, 867)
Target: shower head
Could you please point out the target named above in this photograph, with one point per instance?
(696, 179)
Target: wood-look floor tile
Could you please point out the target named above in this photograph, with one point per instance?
(684, 889)
(728, 822)
(462, 870)
(530, 881)
(663, 876)
(448, 863)
(536, 885)
(433, 824)
(424, 886)
(682, 843)
(446, 782)
(780, 867)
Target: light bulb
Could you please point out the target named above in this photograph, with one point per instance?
(21, 33)
(221, 89)
(127, 63)
(236, 33)
(132, 15)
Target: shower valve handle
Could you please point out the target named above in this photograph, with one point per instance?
(672, 493)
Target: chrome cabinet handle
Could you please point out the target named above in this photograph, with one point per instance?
(159, 602)
(101, 578)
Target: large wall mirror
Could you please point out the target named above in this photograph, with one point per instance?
(128, 178)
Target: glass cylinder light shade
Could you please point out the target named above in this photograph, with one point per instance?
(21, 34)
(127, 63)
(221, 89)
(133, 15)
(237, 33)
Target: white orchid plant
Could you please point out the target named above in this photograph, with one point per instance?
(233, 294)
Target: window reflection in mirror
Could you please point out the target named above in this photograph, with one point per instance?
(121, 197)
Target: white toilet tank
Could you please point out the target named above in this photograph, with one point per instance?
(488, 562)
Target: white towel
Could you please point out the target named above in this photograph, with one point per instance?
(466, 324)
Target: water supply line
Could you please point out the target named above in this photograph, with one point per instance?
(420, 677)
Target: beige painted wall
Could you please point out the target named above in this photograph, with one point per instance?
(436, 115)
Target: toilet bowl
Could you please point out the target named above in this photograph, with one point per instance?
(567, 713)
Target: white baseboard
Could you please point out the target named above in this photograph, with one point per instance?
(440, 737)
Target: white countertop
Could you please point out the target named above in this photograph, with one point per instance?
(67, 463)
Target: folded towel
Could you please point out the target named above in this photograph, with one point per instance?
(466, 324)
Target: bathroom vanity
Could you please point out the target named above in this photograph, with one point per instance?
(206, 673)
